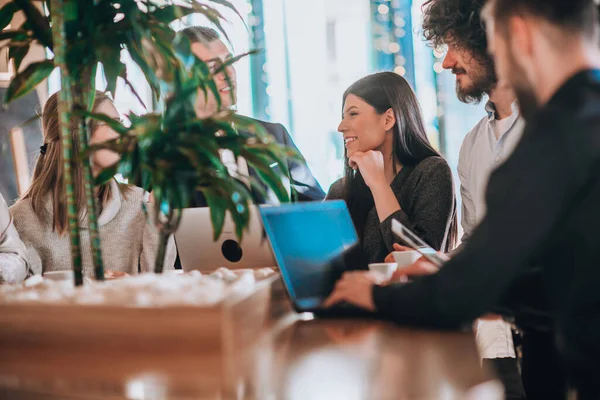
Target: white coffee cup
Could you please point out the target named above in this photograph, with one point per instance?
(59, 275)
(385, 269)
(405, 258)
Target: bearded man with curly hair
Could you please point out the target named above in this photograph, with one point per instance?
(457, 26)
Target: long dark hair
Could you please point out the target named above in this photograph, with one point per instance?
(385, 90)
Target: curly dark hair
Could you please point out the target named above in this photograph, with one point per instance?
(457, 22)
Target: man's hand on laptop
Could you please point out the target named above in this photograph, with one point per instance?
(355, 288)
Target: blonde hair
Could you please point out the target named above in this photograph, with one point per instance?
(48, 174)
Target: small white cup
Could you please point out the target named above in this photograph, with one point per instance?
(405, 258)
(385, 269)
(59, 275)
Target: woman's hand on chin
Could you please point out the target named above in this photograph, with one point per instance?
(371, 167)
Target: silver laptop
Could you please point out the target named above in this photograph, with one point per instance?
(198, 251)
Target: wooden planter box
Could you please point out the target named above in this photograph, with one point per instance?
(236, 321)
(206, 349)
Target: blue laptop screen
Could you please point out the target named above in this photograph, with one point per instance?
(306, 239)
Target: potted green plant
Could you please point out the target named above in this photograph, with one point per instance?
(171, 152)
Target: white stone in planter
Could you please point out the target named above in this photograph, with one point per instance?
(144, 290)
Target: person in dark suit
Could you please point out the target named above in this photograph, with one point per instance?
(538, 242)
(207, 45)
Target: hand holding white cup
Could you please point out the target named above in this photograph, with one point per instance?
(384, 270)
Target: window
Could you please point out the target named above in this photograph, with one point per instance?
(315, 49)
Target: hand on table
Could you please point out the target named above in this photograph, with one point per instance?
(355, 288)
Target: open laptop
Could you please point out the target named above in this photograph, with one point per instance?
(314, 244)
(198, 251)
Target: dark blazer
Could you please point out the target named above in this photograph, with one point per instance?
(310, 190)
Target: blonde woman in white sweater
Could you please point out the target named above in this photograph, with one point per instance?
(129, 242)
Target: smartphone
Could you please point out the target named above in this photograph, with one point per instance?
(418, 244)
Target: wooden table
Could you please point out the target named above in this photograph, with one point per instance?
(296, 358)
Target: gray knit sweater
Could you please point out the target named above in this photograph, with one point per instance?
(426, 196)
(129, 242)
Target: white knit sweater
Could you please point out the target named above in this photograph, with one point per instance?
(13, 266)
(129, 242)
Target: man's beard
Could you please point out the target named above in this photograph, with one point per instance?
(483, 81)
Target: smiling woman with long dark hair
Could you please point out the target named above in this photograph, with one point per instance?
(391, 169)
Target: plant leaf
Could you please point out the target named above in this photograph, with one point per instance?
(257, 188)
(223, 69)
(17, 53)
(231, 7)
(107, 174)
(274, 183)
(6, 14)
(214, 16)
(238, 205)
(112, 71)
(146, 179)
(146, 125)
(37, 21)
(281, 162)
(27, 80)
(217, 211)
(91, 98)
(111, 122)
(212, 85)
(192, 156)
(262, 167)
(233, 60)
(149, 73)
(251, 126)
(115, 145)
(228, 132)
(123, 76)
(212, 154)
(171, 13)
(18, 35)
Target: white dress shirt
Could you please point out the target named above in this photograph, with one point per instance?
(480, 154)
(236, 168)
